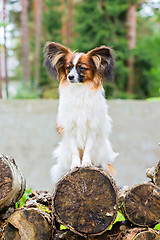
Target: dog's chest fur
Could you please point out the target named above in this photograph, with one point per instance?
(83, 111)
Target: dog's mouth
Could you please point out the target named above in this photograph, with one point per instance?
(75, 81)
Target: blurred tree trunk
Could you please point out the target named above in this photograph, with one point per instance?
(64, 23)
(0, 77)
(38, 17)
(70, 22)
(25, 40)
(131, 19)
(5, 48)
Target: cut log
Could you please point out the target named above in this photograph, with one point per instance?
(157, 175)
(68, 235)
(147, 235)
(28, 224)
(142, 204)
(85, 201)
(139, 234)
(114, 234)
(154, 174)
(12, 183)
(118, 232)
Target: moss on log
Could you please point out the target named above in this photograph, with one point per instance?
(142, 204)
(85, 201)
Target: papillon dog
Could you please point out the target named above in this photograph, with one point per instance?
(83, 120)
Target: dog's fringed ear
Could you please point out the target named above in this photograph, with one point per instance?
(102, 59)
(55, 54)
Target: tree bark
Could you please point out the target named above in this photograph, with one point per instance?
(12, 183)
(85, 201)
(154, 174)
(64, 23)
(142, 205)
(131, 19)
(70, 22)
(38, 16)
(5, 48)
(30, 223)
(25, 40)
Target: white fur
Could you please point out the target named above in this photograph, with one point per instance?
(83, 114)
(73, 72)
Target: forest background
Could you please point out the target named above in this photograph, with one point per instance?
(130, 27)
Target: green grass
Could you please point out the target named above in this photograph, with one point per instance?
(153, 99)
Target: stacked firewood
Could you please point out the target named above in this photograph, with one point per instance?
(84, 205)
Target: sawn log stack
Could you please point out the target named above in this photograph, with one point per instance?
(84, 205)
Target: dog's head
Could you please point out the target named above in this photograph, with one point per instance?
(73, 67)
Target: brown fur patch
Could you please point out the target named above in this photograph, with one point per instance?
(60, 129)
(80, 153)
(55, 55)
(102, 58)
(111, 170)
(91, 78)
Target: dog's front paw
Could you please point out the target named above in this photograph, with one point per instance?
(76, 162)
(86, 162)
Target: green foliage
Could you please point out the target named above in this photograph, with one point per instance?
(51, 21)
(96, 22)
(51, 31)
(147, 67)
(62, 227)
(154, 99)
(28, 92)
(103, 23)
(3, 24)
(23, 199)
(119, 218)
(50, 91)
(157, 227)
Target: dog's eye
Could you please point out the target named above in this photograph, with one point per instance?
(68, 67)
(82, 68)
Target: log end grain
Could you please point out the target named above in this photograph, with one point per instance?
(142, 205)
(85, 201)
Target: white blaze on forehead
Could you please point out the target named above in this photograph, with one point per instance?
(76, 58)
(73, 71)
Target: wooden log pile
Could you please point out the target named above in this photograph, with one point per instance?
(84, 205)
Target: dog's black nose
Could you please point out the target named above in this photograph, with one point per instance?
(71, 77)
